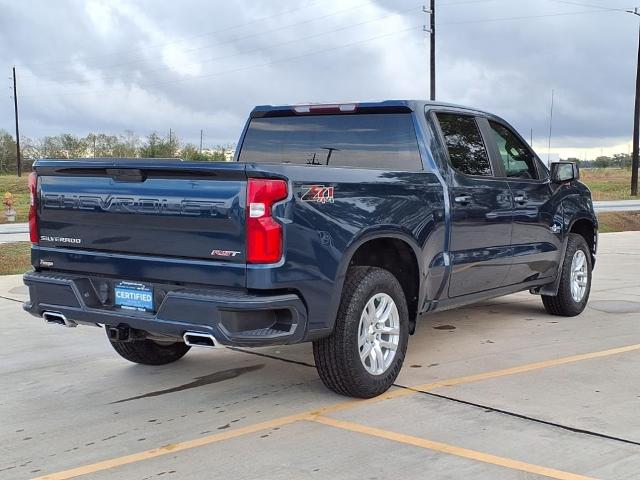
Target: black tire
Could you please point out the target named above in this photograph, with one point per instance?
(337, 356)
(148, 352)
(563, 303)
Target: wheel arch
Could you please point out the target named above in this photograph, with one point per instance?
(393, 250)
(587, 227)
(582, 222)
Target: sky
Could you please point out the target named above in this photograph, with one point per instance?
(190, 65)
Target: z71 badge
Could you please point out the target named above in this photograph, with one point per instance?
(317, 193)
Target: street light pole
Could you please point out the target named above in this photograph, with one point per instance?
(636, 123)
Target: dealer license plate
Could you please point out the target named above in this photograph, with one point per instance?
(134, 296)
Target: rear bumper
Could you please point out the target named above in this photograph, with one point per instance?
(233, 316)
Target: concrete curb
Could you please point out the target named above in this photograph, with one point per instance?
(9, 228)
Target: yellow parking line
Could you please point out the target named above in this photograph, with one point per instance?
(312, 414)
(523, 368)
(450, 449)
(171, 448)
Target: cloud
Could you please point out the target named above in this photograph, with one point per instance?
(154, 65)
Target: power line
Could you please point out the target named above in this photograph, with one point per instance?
(262, 32)
(215, 32)
(216, 74)
(227, 42)
(580, 4)
(317, 51)
(247, 52)
(526, 17)
(468, 2)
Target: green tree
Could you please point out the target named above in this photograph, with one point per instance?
(127, 146)
(157, 147)
(622, 160)
(72, 146)
(64, 146)
(602, 162)
(7, 153)
(102, 145)
(191, 153)
(30, 152)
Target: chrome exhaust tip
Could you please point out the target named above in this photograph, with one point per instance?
(197, 339)
(57, 318)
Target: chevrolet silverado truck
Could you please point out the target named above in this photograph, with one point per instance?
(338, 224)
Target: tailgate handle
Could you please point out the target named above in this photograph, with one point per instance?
(126, 174)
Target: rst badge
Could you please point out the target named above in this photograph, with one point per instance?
(317, 193)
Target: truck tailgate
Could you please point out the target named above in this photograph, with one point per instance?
(166, 209)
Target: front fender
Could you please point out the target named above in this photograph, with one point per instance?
(574, 208)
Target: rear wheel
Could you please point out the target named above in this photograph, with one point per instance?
(365, 352)
(148, 352)
(575, 280)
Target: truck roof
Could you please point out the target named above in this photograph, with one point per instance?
(385, 105)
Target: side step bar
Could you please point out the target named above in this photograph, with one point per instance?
(197, 339)
(57, 318)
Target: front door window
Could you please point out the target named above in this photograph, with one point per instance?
(518, 160)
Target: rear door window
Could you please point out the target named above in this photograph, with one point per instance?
(382, 141)
(466, 148)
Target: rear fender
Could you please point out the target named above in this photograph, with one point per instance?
(374, 233)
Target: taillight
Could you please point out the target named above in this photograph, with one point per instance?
(264, 234)
(33, 207)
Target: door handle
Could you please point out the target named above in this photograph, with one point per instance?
(463, 199)
(520, 199)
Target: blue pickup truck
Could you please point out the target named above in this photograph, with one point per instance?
(336, 224)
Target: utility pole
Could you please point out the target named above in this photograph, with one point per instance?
(531, 138)
(432, 44)
(636, 123)
(200, 141)
(15, 107)
(432, 47)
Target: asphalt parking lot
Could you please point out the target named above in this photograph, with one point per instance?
(493, 391)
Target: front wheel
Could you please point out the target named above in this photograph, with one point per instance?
(575, 280)
(365, 352)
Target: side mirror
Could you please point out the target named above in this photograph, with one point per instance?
(562, 172)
